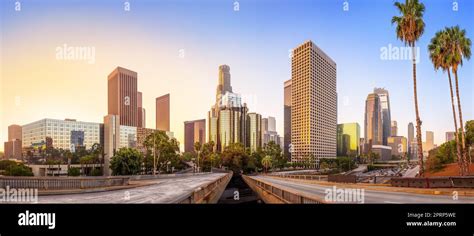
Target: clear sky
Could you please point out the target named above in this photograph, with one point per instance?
(177, 46)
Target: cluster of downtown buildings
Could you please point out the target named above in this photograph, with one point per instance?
(310, 119)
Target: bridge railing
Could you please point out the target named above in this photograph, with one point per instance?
(202, 194)
(302, 176)
(284, 195)
(434, 182)
(60, 183)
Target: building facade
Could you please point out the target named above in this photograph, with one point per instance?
(385, 113)
(287, 119)
(62, 132)
(450, 136)
(163, 113)
(254, 131)
(394, 130)
(373, 132)
(123, 95)
(348, 137)
(313, 103)
(141, 111)
(411, 139)
(194, 131)
(399, 145)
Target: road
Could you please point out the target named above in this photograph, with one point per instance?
(163, 191)
(370, 196)
(412, 172)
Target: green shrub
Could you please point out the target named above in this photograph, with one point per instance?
(73, 171)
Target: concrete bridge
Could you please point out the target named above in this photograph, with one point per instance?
(273, 189)
(184, 188)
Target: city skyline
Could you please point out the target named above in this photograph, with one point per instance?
(81, 95)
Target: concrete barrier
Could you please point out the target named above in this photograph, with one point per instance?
(163, 176)
(434, 182)
(60, 183)
(342, 178)
(209, 193)
(272, 194)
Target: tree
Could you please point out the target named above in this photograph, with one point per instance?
(126, 161)
(158, 141)
(274, 151)
(410, 27)
(459, 47)
(267, 163)
(438, 51)
(235, 157)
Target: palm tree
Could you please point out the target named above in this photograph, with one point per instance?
(197, 149)
(410, 27)
(267, 162)
(438, 50)
(459, 46)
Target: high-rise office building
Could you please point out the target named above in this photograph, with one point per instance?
(394, 131)
(194, 131)
(14, 132)
(313, 103)
(163, 112)
(122, 96)
(348, 137)
(223, 85)
(399, 145)
(373, 121)
(411, 139)
(287, 118)
(429, 144)
(141, 111)
(450, 136)
(228, 116)
(269, 131)
(12, 147)
(385, 110)
(254, 131)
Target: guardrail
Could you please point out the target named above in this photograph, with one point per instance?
(163, 176)
(434, 182)
(306, 177)
(202, 194)
(60, 183)
(284, 195)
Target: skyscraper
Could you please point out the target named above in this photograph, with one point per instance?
(385, 110)
(373, 121)
(313, 103)
(411, 139)
(254, 131)
(287, 118)
(228, 116)
(12, 147)
(163, 113)
(394, 131)
(224, 81)
(271, 123)
(194, 131)
(14, 132)
(429, 141)
(269, 131)
(141, 111)
(348, 136)
(122, 96)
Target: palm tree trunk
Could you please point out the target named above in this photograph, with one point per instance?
(418, 120)
(458, 146)
(463, 142)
